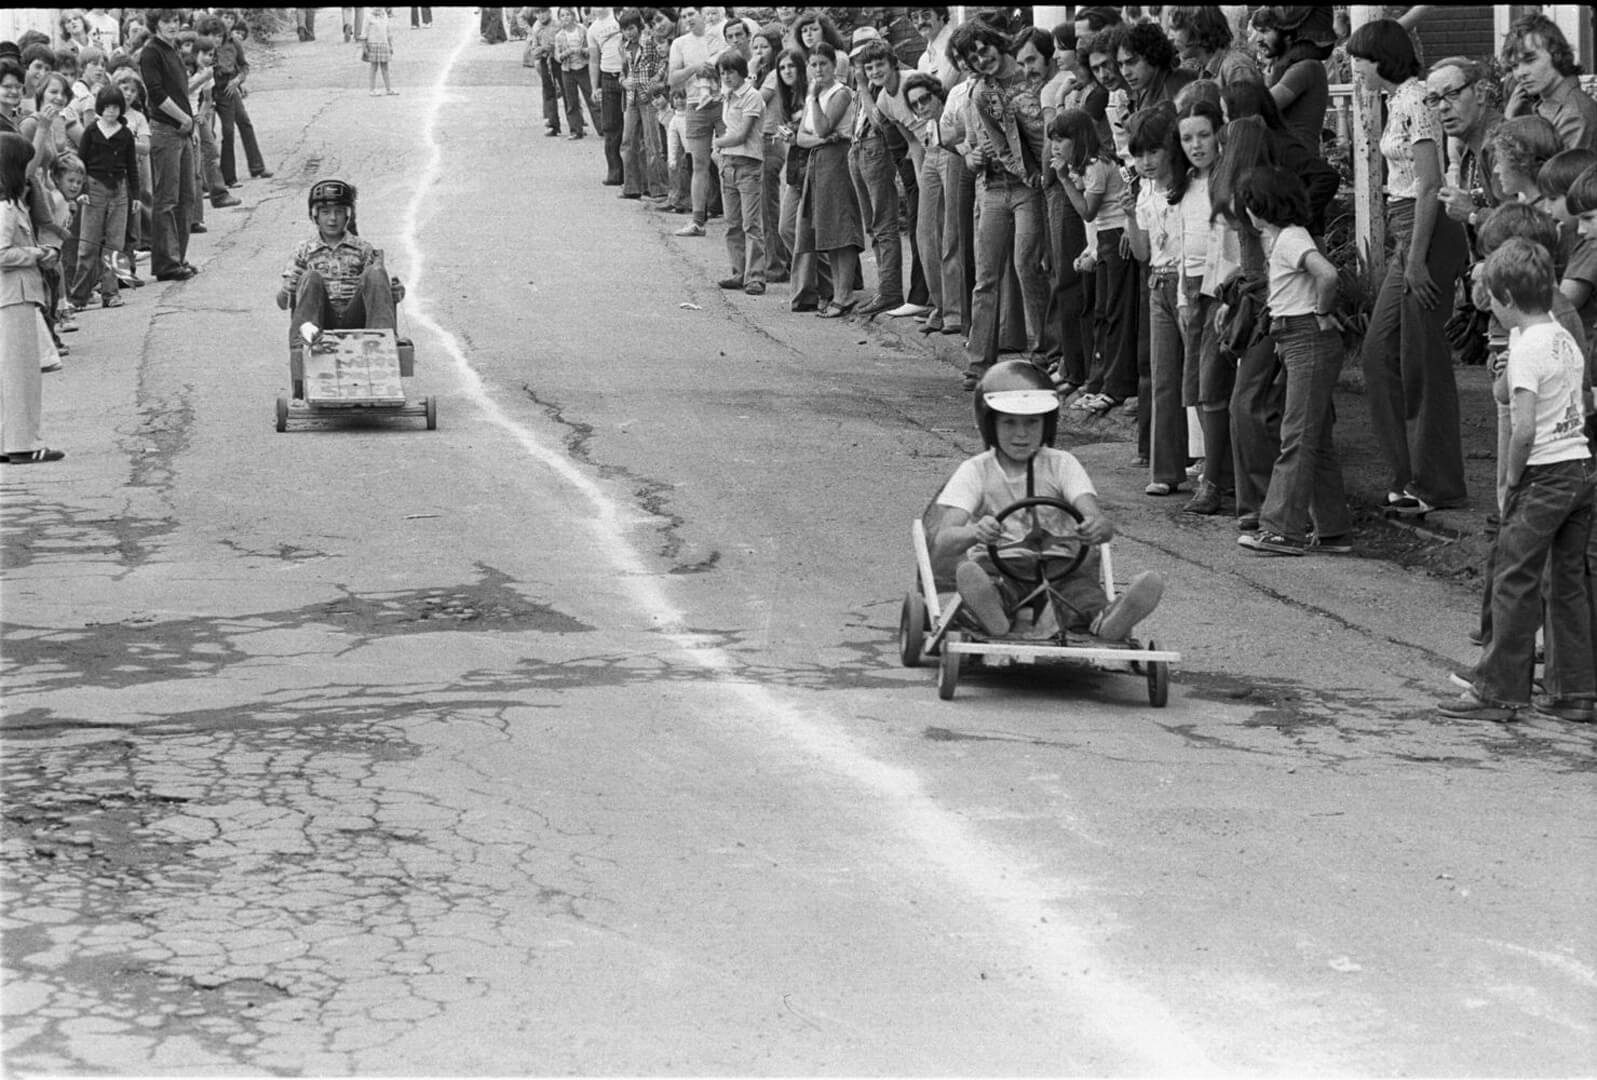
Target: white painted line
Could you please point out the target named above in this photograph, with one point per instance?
(1152, 1040)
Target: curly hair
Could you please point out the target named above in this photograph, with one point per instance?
(1206, 26)
(1148, 41)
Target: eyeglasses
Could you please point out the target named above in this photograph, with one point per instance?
(1446, 97)
(920, 101)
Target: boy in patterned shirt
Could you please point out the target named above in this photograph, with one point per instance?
(336, 280)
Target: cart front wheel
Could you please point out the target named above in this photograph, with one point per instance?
(1158, 681)
(432, 413)
(911, 628)
(282, 412)
(948, 666)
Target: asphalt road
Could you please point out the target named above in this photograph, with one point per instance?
(571, 737)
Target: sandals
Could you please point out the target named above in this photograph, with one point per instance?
(834, 310)
(30, 457)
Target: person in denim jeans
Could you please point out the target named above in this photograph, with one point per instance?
(741, 150)
(1547, 516)
(870, 163)
(1306, 483)
(112, 164)
(1005, 151)
(644, 53)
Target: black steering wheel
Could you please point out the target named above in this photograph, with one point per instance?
(1056, 557)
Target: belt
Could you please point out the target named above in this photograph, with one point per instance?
(609, 74)
(1163, 274)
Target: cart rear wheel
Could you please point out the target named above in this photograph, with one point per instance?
(912, 628)
(948, 666)
(432, 413)
(282, 412)
(1158, 681)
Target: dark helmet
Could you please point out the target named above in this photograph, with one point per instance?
(336, 192)
(1015, 388)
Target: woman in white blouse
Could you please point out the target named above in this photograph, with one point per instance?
(1408, 364)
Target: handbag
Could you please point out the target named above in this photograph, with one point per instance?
(1242, 318)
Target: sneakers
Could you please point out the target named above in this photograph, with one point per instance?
(1266, 542)
(691, 229)
(1160, 489)
(1142, 595)
(981, 598)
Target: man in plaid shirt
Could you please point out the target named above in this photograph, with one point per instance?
(645, 52)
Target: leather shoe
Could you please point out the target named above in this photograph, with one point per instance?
(1206, 501)
(878, 305)
(264, 174)
(196, 227)
(182, 273)
(1572, 709)
(224, 198)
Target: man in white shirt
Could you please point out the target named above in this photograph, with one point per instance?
(689, 53)
(742, 153)
(932, 22)
(604, 72)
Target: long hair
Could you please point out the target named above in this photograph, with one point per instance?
(1078, 127)
(829, 32)
(792, 97)
(1247, 146)
(1249, 97)
(15, 153)
(773, 38)
(1181, 169)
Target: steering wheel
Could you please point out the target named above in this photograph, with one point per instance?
(1066, 552)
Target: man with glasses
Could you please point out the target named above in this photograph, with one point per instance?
(1005, 151)
(1452, 91)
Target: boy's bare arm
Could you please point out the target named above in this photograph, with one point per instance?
(1522, 434)
(1096, 528)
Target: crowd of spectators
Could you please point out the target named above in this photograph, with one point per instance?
(1107, 199)
(111, 132)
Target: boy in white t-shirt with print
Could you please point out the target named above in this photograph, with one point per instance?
(1017, 412)
(1547, 516)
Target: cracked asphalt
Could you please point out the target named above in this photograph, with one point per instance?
(571, 738)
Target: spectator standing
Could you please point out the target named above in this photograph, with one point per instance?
(644, 52)
(1521, 145)
(421, 18)
(11, 79)
(543, 31)
(792, 93)
(1294, 42)
(571, 53)
(1147, 62)
(1546, 81)
(692, 54)
(1453, 91)
(377, 49)
(934, 28)
(959, 204)
(1006, 153)
(111, 161)
(1204, 41)
(23, 261)
(880, 118)
(206, 45)
(1408, 366)
(171, 150)
(1320, 178)
(828, 220)
(741, 149)
(1306, 484)
(232, 72)
(604, 74)
(764, 48)
(1547, 517)
(75, 31)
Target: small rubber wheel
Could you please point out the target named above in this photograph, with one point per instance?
(948, 666)
(432, 413)
(282, 413)
(911, 628)
(1158, 681)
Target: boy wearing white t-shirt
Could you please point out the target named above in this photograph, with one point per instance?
(1547, 516)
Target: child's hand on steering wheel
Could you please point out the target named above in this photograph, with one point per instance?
(1095, 529)
(988, 530)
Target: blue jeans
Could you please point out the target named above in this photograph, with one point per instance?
(876, 182)
(1307, 479)
(642, 155)
(172, 176)
(1408, 365)
(1256, 404)
(1545, 528)
(1167, 448)
(1011, 231)
(102, 226)
(611, 125)
(1113, 321)
(231, 111)
(742, 200)
(778, 253)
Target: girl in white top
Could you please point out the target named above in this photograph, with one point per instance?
(1306, 483)
(1206, 378)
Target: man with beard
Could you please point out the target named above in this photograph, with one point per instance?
(1294, 43)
